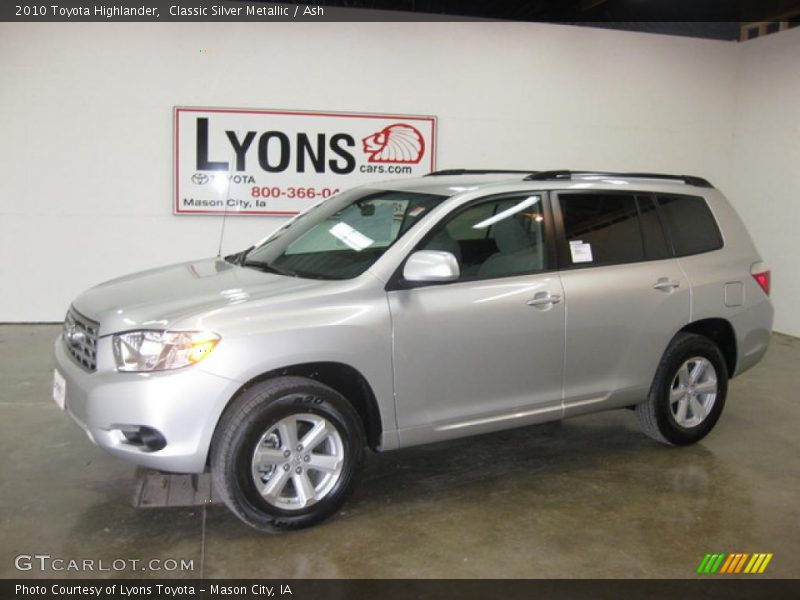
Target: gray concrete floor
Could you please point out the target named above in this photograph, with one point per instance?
(590, 497)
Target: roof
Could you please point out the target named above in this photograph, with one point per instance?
(447, 184)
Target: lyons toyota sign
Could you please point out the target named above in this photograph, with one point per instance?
(270, 162)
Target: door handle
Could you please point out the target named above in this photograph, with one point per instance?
(666, 285)
(544, 299)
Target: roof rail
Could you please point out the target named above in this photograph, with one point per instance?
(476, 172)
(687, 179)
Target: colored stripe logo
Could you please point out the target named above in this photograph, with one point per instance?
(734, 563)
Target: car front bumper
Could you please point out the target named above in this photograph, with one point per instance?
(184, 405)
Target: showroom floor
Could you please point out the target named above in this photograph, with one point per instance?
(591, 497)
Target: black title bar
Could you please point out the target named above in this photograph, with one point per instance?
(39, 11)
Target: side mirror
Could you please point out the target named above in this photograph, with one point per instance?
(426, 266)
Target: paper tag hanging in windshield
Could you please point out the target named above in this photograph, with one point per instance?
(580, 252)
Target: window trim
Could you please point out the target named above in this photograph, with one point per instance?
(667, 239)
(396, 281)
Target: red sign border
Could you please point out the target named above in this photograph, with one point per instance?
(302, 113)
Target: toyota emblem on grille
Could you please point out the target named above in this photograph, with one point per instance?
(74, 336)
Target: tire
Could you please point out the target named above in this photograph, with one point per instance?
(259, 465)
(688, 392)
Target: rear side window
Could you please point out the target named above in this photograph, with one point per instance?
(655, 241)
(600, 229)
(690, 225)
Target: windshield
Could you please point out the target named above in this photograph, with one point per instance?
(342, 237)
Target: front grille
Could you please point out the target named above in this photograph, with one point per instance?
(80, 338)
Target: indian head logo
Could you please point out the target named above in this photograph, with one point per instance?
(398, 143)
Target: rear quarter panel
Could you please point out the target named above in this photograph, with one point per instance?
(746, 306)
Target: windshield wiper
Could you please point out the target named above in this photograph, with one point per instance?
(268, 268)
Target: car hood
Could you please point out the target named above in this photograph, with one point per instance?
(159, 298)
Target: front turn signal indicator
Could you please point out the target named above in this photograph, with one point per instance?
(201, 350)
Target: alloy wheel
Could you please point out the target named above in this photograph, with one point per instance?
(298, 461)
(693, 392)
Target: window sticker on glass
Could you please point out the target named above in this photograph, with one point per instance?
(580, 252)
(417, 211)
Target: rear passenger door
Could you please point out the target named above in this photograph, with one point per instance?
(626, 295)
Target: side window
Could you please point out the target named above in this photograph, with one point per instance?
(690, 224)
(600, 229)
(655, 241)
(461, 226)
(495, 238)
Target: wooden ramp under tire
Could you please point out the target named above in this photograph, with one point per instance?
(155, 489)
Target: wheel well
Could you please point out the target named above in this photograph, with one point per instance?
(721, 333)
(344, 379)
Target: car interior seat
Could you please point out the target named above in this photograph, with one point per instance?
(516, 251)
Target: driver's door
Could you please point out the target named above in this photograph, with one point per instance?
(484, 352)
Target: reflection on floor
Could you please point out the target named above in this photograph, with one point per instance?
(590, 497)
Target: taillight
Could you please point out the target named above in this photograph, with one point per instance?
(762, 279)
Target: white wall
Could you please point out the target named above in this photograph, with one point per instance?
(86, 121)
(766, 162)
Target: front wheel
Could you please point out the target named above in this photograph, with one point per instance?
(286, 453)
(688, 392)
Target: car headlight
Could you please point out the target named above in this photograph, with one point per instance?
(150, 350)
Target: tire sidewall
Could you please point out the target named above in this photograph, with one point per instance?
(690, 347)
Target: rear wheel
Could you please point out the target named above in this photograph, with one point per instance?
(286, 453)
(688, 392)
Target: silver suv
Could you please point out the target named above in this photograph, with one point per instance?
(416, 311)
